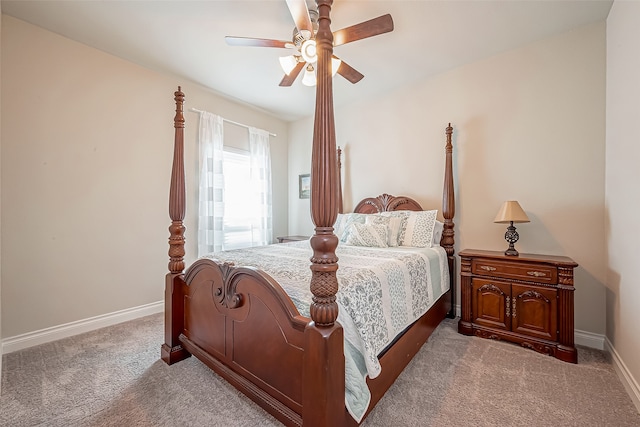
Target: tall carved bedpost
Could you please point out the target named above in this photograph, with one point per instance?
(177, 191)
(324, 182)
(448, 211)
(172, 351)
(323, 357)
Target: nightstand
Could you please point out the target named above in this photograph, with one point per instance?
(285, 239)
(526, 299)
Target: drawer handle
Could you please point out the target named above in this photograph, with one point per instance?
(536, 273)
(487, 268)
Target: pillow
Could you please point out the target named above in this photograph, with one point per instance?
(343, 221)
(392, 223)
(402, 215)
(437, 233)
(419, 229)
(373, 236)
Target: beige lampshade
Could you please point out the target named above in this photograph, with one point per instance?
(511, 211)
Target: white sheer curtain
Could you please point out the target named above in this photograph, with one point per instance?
(261, 224)
(211, 193)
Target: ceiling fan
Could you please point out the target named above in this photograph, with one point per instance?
(303, 46)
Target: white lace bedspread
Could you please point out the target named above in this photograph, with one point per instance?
(381, 292)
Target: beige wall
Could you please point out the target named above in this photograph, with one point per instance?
(86, 152)
(623, 174)
(529, 125)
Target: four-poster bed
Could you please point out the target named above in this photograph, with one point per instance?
(240, 321)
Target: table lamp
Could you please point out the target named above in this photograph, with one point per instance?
(511, 212)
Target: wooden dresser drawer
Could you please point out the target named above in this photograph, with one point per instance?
(515, 270)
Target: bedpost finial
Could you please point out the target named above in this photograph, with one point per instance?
(178, 120)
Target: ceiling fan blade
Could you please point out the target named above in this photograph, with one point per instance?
(348, 72)
(300, 15)
(288, 79)
(373, 27)
(249, 41)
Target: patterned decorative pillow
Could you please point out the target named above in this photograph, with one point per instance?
(419, 228)
(343, 221)
(402, 215)
(373, 236)
(393, 224)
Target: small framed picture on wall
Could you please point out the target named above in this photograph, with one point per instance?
(304, 185)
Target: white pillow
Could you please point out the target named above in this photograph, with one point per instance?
(343, 221)
(419, 229)
(393, 224)
(373, 236)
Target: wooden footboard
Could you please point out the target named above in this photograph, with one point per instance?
(242, 324)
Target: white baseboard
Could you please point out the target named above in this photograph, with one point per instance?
(630, 383)
(30, 339)
(589, 339)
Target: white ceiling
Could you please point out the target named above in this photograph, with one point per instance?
(186, 38)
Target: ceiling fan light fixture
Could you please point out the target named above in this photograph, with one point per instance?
(304, 50)
(306, 34)
(309, 78)
(288, 63)
(308, 51)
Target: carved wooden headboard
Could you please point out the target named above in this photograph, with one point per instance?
(386, 203)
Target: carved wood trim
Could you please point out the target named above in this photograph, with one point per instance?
(565, 276)
(490, 288)
(228, 299)
(484, 334)
(540, 348)
(177, 198)
(386, 203)
(533, 294)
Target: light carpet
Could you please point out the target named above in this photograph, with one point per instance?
(114, 377)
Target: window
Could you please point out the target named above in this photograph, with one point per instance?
(237, 204)
(234, 196)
